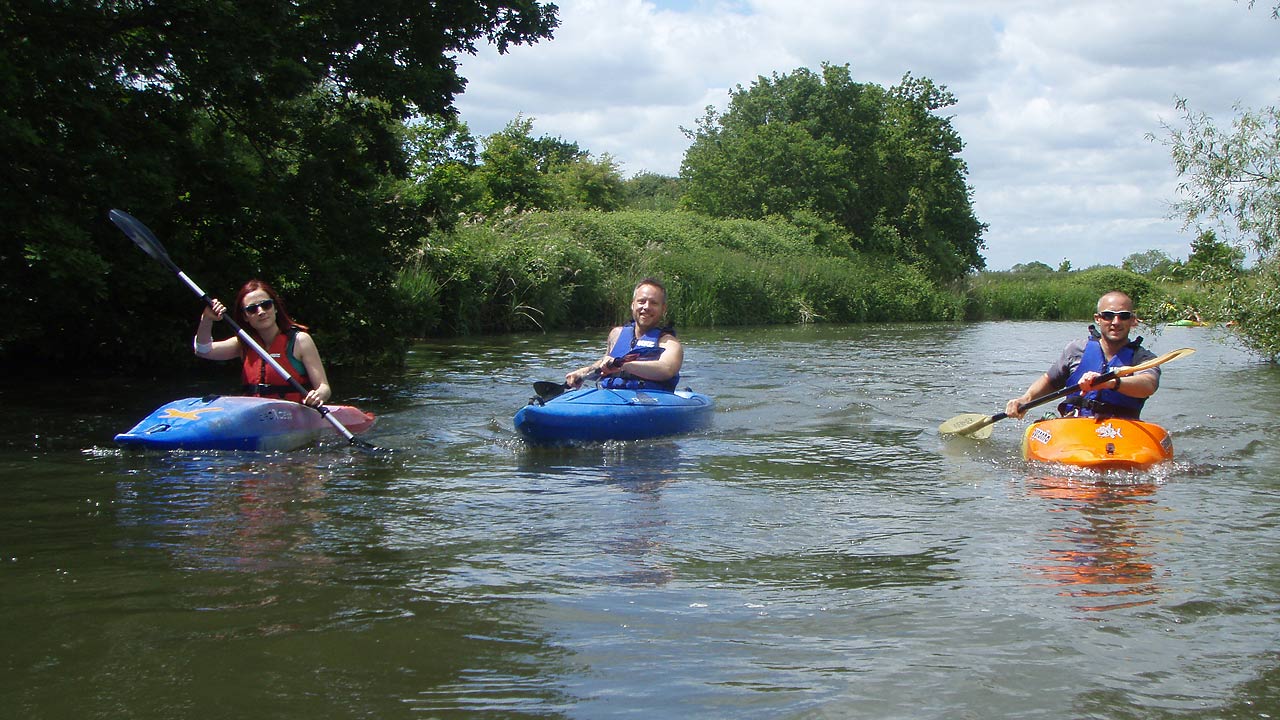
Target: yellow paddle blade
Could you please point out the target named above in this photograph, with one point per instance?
(981, 433)
(973, 425)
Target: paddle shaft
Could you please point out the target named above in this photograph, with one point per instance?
(547, 390)
(145, 239)
(1070, 389)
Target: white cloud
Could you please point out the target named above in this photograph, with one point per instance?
(1055, 99)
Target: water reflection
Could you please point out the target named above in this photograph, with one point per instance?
(298, 556)
(232, 511)
(1102, 551)
(635, 473)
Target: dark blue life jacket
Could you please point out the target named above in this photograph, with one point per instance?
(645, 345)
(1108, 402)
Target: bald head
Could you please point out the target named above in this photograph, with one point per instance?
(1115, 300)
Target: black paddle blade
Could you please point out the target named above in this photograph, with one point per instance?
(368, 447)
(548, 390)
(140, 234)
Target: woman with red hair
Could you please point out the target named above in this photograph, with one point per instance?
(261, 312)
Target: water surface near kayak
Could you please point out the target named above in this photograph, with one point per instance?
(820, 552)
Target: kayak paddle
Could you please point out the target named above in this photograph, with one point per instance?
(976, 425)
(547, 390)
(145, 239)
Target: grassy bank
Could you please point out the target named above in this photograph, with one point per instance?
(574, 269)
(1055, 295)
(550, 270)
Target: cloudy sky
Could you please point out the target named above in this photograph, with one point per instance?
(1056, 99)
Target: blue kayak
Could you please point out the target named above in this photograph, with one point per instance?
(596, 414)
(239, 423)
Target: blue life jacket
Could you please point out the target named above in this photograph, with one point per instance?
(1108, 402)
(646, 344)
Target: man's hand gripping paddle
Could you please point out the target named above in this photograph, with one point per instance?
(978, 426)
(547, 390)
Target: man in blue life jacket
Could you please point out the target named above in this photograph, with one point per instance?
(1107, 348)
(641, 354)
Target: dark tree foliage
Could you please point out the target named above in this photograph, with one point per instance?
(878, 162)
(256, 137)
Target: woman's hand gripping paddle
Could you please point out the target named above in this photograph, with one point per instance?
(547, 390)
(978, 426)
(145, 239)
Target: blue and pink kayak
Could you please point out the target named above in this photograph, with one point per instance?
(598, 414)
(239, 423)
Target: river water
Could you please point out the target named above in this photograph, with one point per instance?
(820, 552)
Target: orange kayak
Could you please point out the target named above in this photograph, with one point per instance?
(1094, 443)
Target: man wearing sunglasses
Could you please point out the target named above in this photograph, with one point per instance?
(1108, 347)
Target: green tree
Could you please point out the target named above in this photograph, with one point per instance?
(1230, 179)
(1212, 259)
(512, 173)
(256, 137)
(441, 187)
(520, 173)
(764, 170)
(652, 191)
(550, 153)
(881, 163)
(935, 212)
(1035, 266)
(589, 184)
(1154, 263)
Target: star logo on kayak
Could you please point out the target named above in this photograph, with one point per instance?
(188, 414)
(1109, 431)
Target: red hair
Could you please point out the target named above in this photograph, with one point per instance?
(283, 321)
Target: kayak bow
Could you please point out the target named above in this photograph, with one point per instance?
(1097, 443)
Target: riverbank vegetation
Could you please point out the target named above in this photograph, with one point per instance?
(336, 169)
(565, 269)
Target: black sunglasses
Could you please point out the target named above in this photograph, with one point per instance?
(262, 306)
(1110, 315)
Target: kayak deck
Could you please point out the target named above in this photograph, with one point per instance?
(598, 414)
(1093, 443)
(239, 423)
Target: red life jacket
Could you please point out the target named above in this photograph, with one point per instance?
(261, 380)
